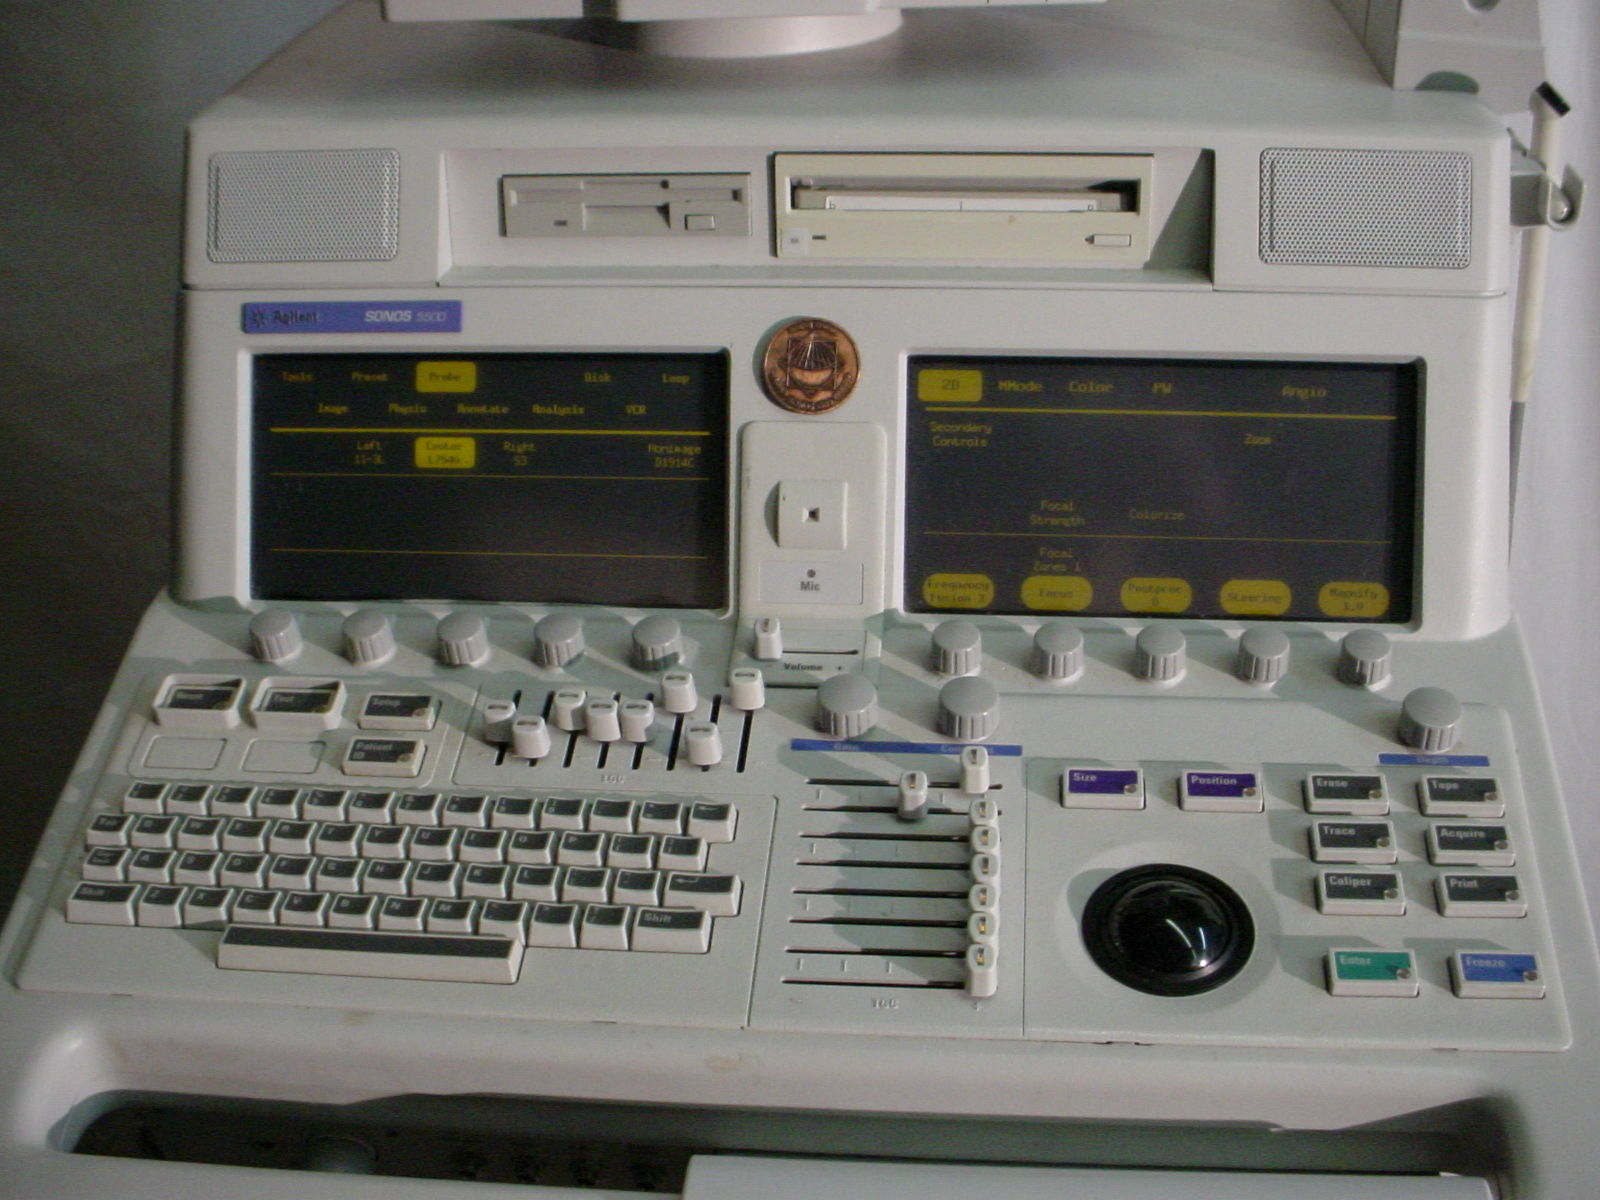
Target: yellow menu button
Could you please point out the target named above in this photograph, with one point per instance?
(449, 453)
(1057, 593)
(958, 591)
(1345, 601)
(447, 377)
(1255, 597)
(1156, 595)
(945, 387)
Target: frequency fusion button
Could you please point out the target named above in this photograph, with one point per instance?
(1353, 795)
(1460, 796)
(1480, 896)
(1102, 787)
(1372, 973)
(1470, 846)
(1492, 976)
(1360, 893)
(1353, 842)
(384, 756)
(1220, 791)
(456, 959)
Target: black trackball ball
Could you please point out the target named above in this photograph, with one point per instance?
(1168, 930)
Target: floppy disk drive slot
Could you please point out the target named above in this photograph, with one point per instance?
(692, 205)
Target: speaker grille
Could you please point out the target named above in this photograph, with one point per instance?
(304, 206)
(1366, 208)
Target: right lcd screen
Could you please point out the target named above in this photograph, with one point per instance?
(1206, 488)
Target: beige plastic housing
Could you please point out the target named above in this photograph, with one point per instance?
(1062, 209)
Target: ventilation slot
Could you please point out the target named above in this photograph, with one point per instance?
(270, 206)
(880, 901)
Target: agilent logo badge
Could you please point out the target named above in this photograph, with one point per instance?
(353, 316)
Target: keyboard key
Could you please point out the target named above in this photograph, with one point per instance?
(386, 842)
(612, 816)
(387, 877)
(504, 918)
(452, 916)
(586, 884)
(151, 866)
(207, 907)
(436, 879)
(483, 845)
(715, 894)
(337, 840)
(245, 835)
(368, 954)
(324, 804)
(153, 833)
(243, 871)
(672, 930)
(197, 867)
(636, 851)
(291, 837)
(109, 829)
(308, 909)
(403, 913)
(353, 912)
(145, 798)
(486, 881)
(102, 903)
(554, 925)
(466, 812)
(375, 808)
(713, 821)
(514, 812)
(200, 833)
(290, 872)
(278, 804)
(581, 849)
(661, 816)
(187, 799)
(536, 883)
(641, 889)
(338, 875)
(256, 907)
(417, 808)
(107, 864)
(233, 801)
(562, 813)
(534, 847)
(604, 927)
(681, 854)
(430, 843)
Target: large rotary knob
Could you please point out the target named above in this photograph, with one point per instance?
(1365, 657)
(368, 638)
(275, 635)
(463, 640)
(657, 644)
(1160, 653)
(557, 640)
(957, 648)
(1430, 720)
(1263, 655)
(847, 706)
(969, 709)
(1057, 652)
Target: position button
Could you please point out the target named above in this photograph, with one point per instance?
(463, 640)
(1263, 655)
(368, 638)
(969, 709)
(1221, 791)
(1430, 720)
(657, 644)
(557, 640)
(1372, 973)
(1365, 658)
(1160, 653)
(1168, 930)
(1057, 652)
(847, 706)
(957, 648)
(275, 635)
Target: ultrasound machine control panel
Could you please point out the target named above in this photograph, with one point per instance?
(933, 615)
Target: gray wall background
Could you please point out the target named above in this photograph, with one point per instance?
(94, 95)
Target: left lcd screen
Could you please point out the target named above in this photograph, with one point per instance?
(575, 478)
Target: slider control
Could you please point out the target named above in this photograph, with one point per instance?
(913, 796)
(769, 639)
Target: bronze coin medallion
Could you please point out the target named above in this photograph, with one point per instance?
(810, 366)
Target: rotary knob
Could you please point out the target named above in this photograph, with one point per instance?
(368, 638)
(1365, 658)
(557, 640)
(463, 640)
(1263, 655)
(957, 648)
(969, 709)
(847, 706)
(1160, 653)
(1057, 651)
(1430, 720)
(275, 635)
(657, 644)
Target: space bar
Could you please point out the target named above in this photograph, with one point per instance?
(432, 956)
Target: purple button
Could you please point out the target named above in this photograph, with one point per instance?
(353, 316)
(1093, 782)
